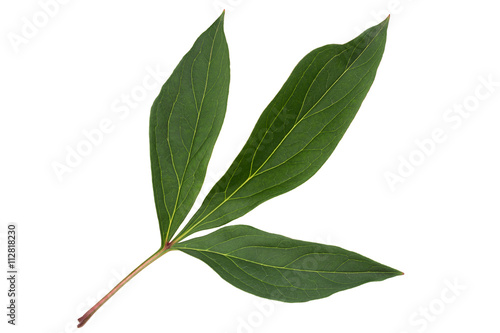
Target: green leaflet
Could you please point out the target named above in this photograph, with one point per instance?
(298, 130)
(185, 122)
(281, 268)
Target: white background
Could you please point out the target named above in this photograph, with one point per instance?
(78, 235)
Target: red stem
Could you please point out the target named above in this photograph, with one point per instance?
(82, 320)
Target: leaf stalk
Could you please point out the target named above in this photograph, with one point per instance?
(83, 319)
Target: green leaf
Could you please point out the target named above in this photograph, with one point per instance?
(280, 268)
(185, 122)
(298, 130)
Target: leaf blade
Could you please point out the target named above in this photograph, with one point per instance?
(280, 268)
(298, 130)
(185, 122)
